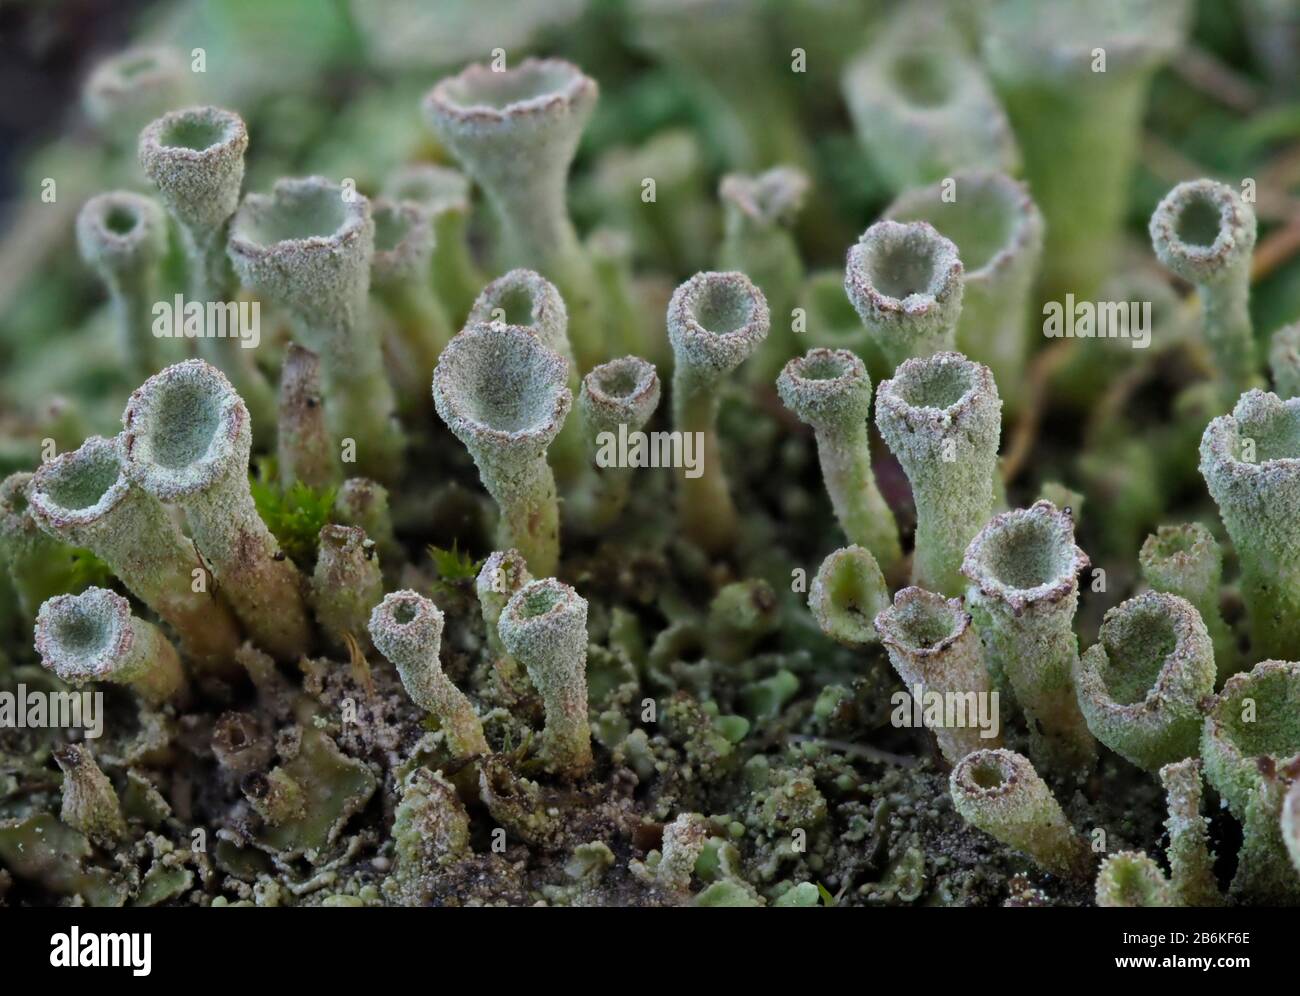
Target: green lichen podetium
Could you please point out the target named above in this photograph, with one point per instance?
(1284, 360)
(1132, 878)
(1078, 125)
(85, 498)
(132, 87)
(1141, 685)
(195, 157)
(516, 132)
(622, 392)
(847, 594)
(407, 629)
(304, 451)
(1251, 464)
(308, 246)
(941, 417)
(544, 626)
(346, 584)
(399, 279)
(431, 830)
(1185, 560)
(759, 212)
(186, 441)
(443, 194)
(921, 105)
(1205, 233)
(715, 322)
(34, 561)
(502, 392)
(933, 646)
(905, 280)
(1191, 863)
(1023, 569)
(998, 791)
(830, 390)
(998, 231)
(1250, 746)
(526, 299)
(90, 803)
(123, 238)
(94, 637)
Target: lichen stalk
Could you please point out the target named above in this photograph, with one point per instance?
(544, 625)
(399, 278)
(941, 417)
(346, 584)
(1191, 863)
(502, 392)
(90, 803)
(1205, 233)
(123, 238)
(1185, 560)
(33, 560)
(308, 246)
(1078, 120)
(516, 133)
(998, 791)
(443, 193)
(186, 441)
(715, 322)
(195, 157)
(616, 397)
(527, 299)
(304, 449)
(759, 212)
(998, 231)
(1250, 460)
(407, 629)
(830, 390)
(1250, 746)
(906, 282)
(1024, 590)
(933, 647)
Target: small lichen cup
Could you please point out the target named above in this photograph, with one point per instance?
(830, 390)
(1141, 685)
(941, 417)
(186, 440)
(1023, 569)
(308, 246)
(998, 791)
(906, 282)
(715, 322)
(1250, 460)
(503, 393)
(407, 629)
(94, 637)
(544, 626)
(516, 132)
